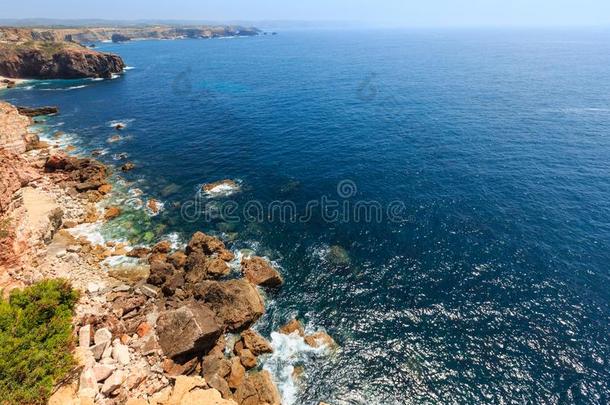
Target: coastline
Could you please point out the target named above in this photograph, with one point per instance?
(127, 289)
(7, 82)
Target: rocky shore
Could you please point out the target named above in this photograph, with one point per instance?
(98, 34)
(55, 60)
(166, 326)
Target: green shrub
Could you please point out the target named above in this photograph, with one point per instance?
(35, 341)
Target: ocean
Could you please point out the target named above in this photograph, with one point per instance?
(437, 200)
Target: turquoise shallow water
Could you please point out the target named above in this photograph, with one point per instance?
(488, 284)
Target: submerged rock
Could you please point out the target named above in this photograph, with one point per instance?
(128, 167)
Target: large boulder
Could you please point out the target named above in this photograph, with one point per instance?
(236, 303)
(265, 388)
(255, 343)
(200, 267)
(258, 388)
(187, 330)
(260, 272)
(208, 245)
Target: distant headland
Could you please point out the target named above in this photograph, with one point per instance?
(65, 52)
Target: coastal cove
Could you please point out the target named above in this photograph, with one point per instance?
(491, 284)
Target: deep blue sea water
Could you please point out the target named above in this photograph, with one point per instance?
(489, 284)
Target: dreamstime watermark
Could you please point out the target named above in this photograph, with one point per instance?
(344, 208)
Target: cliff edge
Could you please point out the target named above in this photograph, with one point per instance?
(56, 60)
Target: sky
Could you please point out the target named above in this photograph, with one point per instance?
(407, 13)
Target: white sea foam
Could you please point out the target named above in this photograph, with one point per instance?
(123, 122)
(115, 261)
(221, 190)
(135, 192)
(175, 240)
(288, 351)
(129, 67)
(90, 231)
(160, 207)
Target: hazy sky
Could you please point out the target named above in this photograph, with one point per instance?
(387, 12)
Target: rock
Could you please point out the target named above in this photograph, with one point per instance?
(338, 255)
(120, 353)
(246, 393)
(320, 339)
(102, 371)
(220, 384)
(174, 369)
(111, 213)
(236, 303)
(102, 335)
(138, 252)
(183, 386)
(160, 272)
(215, 363)
(255, 343)
(84, 357)
(237, 375)
(206, 244)
(247, 358)
(84, 336)
(200, 267)
(125, 304)
(293, 326)
(150, 291)
(260, 272)
(172, 284)
(37, 111)
(113, 382)
(56, 162)
(98, 349)
(265, 388)
(189, 329)
(178, 259)
(162, 247)
(136, 377)
(143, 329)
(87, 386)
(128, 167)
(153, 206)
(220, 186)
(105, 189)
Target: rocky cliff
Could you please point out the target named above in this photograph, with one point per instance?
(56, 60)
(13, 129)
(91, 34)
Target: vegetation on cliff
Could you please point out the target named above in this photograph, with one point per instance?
(35, 341)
